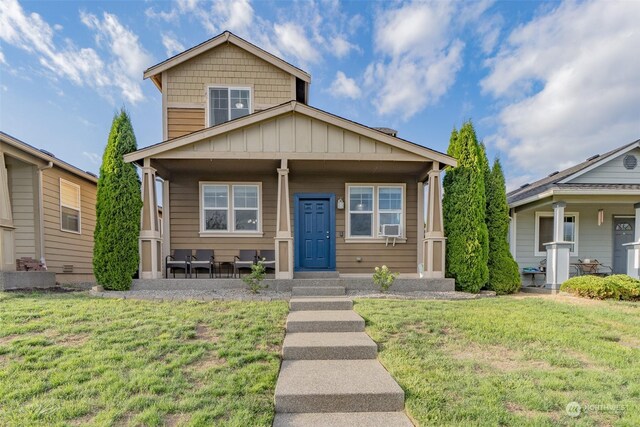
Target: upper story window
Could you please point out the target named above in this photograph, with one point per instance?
(69, 206)
(228, 103)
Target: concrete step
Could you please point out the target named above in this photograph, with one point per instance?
(328, 346)
(324, 321)
(320, 303)
(325, 291)
(316, 275)
(343, 419)
(336, 386)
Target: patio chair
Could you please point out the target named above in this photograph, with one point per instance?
(268, 258)
(180, 260)
(594, 268)
(204, 259)
(245, 260)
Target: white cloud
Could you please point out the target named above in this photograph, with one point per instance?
(291, 38)
(344, 86)
(235, 16)
(2, 60)
(341, 47)
(569, 84)
(93, 157)
(171, 44)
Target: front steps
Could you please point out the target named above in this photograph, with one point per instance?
(330, 375)
(298, 291)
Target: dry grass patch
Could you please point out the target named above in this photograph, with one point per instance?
(498, 358)
(209, 360)
(203, 332)
(73, 340)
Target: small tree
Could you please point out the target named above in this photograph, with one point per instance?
(504, 273)
(115, 252)
(464, 210)
(254, 280)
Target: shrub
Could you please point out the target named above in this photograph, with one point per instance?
(254, 280)
(593, 287)
(628, 287)
(384, 278)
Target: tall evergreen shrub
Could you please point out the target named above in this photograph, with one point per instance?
(464, 211)
(115, 252)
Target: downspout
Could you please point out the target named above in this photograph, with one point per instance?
(41, 212)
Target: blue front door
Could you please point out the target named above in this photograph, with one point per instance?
(314, 235)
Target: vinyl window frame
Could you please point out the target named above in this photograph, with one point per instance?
(536, 236)
(231, 220)
(375, 223)
(229, 88)
(79, 208)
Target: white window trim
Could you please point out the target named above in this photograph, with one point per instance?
(228, 87)
(72, 184)
(376, 213)
(536, 236)
(230, 211)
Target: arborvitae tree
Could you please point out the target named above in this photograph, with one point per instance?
(115, 252)
(464, 209)
(504, 273)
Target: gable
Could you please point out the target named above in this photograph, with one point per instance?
(612, 171)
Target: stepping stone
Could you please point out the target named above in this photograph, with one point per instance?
(342, 419)
(325, 321)
(320, 303)
(328, 345)
(325, 291)
(336, 386)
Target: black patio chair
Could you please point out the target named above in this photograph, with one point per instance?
(245, 260)
(180, 260)
(268, 258)
(204, 259)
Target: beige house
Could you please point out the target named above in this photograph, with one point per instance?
(47, 211)
(248, 164)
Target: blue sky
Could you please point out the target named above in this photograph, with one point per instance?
(546, 84)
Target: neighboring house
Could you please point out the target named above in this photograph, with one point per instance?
(595, 209)
(248, 164)
(47, 211)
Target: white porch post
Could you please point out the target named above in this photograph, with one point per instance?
(166, 223)
(7, 237)
(434, 240)
(150, 241)
(633, 248)
(420, 227)
(558, 250)
(284, 237)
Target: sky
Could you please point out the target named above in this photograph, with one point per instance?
(546, 84)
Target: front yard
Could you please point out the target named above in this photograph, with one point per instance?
(511, 360)
(68, 359)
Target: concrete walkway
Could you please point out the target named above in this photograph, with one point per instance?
(330, 375)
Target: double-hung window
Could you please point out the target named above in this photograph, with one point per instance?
(544, 231)
(228, 207)
(371, 207)
(361, 211)
(228, 103)
(389, 207)
(69, 206)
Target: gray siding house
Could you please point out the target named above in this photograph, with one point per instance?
(586, 212)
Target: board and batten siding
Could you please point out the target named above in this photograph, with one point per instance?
(594, 241)
(23, 193)
(612, 172)
(66, 248)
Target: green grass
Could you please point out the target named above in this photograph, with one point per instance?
(69, 359)
(511, 361)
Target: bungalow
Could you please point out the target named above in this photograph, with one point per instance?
(582, 220)
(248, 164)
(47, 213)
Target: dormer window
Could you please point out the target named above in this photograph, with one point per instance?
(228, 103)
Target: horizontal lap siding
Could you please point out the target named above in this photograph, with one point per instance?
(182, 121)
(22, 178)
(62, 248)
(612, 172)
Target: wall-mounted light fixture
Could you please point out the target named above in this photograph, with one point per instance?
(340, 203)
(600, 217)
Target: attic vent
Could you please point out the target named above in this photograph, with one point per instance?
(554, 173)
(48, 153)
(593, 157)
(388, 131)
(67, 268)
(525, 185)
(630, 162)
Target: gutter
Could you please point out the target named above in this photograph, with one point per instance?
(573, 192)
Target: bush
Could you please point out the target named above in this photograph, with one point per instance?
(254, 280)
(619, 286)
(384, 278)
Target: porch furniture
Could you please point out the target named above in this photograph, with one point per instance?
(245, 260)
(268, 258)
(224, 267)
(181, 259)
(204, 259)
(592, 267)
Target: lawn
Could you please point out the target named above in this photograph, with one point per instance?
(69, 359)
(510, 360)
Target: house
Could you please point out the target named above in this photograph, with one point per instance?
(588, 211)
(247, 163)
(47, 212)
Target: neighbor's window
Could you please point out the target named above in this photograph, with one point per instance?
(372, 206)
(545, 231)
(228, 103)
(230, 207)
(69, 206)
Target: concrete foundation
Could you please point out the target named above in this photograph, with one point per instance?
(26, 280)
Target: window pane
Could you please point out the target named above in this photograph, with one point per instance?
(219, 105)
(215, 219)
(246, 220)
(390, 198)
(70, 219)
(215, 196)
(69, 195)
(545, 232)
(570, 230)
(239, 103)
(361, 199)
(245, 196)
(389, 218)
(361, 224)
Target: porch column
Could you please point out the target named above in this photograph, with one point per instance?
(7, 238)
(150, 241)
(284, 238)
(166, 224)
(420, 227)
(434, 240)
(558, 250)
(633, 248)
